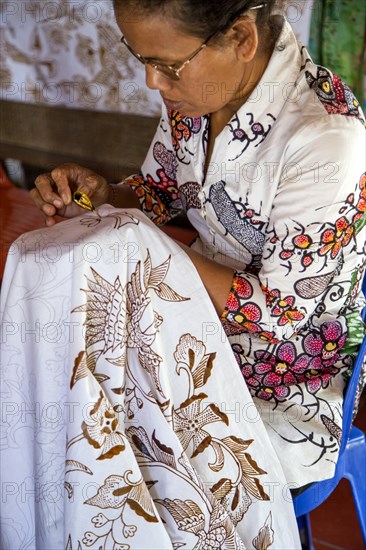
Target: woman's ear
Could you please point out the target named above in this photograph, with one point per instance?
(245, 35)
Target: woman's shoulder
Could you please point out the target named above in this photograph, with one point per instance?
(327, 91)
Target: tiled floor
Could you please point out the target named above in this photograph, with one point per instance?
(334, 523)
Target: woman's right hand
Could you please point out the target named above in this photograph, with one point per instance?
(53, 191)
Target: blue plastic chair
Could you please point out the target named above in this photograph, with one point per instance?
(351, 463)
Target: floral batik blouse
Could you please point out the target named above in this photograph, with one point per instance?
(283, 203)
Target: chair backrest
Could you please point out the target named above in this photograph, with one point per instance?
(349, 400)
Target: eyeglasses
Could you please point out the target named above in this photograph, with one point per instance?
(173, 71)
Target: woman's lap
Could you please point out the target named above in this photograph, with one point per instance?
(110, 363)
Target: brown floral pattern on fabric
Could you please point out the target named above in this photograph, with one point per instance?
(115, 321)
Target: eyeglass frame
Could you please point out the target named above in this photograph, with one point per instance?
(171, 71)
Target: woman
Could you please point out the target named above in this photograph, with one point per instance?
(265, 152)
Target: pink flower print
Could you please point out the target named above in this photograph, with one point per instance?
(300, 245)
(326, 344)
(302, 241)
(248, 317)
(285, 254)
(323, 348)
(335, 239)
(316, 381)
(307, 259)
(273, 373)
(242, 287)
(285, 310)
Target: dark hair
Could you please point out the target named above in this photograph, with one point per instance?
(204, 18)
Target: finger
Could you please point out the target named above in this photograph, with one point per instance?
(96, 188)
(46, 192)
(50, 221)
(61, 177)
(91, 184)
(47, 209)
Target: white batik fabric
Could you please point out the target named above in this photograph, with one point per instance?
(126, 423)
(283, 203)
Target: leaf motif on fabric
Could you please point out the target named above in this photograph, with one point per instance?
(248, 465)
(101, 377)
(265, 536)
(203, 370)
(76, 466)
(106, 496)
(254, 488)
(165, 292)
(215, 409)
(186, 513)
(204, 443)
(141, 503)
(164, 405)
(239, 504)
(222, 488)
(360, 224)
(219, 457)
(119, 391)
(85, 364)
(69, 489)
(139, 438)
(237, 444)
(163, 453)
(80, 369)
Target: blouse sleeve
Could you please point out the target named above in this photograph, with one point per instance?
(316, 230)
(156, 184)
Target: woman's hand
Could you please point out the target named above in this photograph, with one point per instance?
(53, 191)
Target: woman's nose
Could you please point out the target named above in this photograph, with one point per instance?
(155, 80)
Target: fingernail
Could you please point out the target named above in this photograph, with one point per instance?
(58, 203)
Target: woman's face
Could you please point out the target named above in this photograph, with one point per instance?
(212, 79)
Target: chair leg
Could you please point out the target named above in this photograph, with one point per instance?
(356, 474)
(303, 523)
